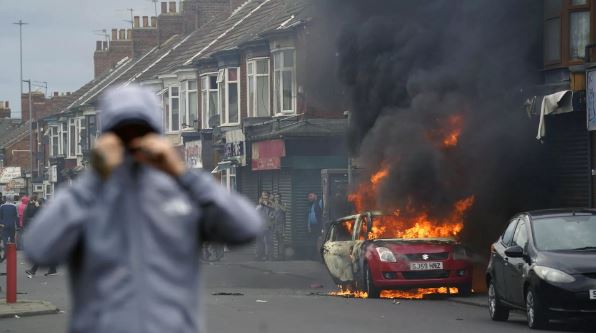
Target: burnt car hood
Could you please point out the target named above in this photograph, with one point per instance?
(571, 262)
(407, 246)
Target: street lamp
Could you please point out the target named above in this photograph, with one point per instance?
(30, 135)
(21, 24)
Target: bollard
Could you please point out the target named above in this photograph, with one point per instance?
(11, 273)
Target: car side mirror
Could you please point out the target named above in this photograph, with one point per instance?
(514, 252)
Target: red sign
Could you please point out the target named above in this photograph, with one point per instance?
(266, 155)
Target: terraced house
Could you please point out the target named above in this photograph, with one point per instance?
(237, 99)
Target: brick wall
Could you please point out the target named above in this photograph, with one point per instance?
(17, 154)
(42, 106)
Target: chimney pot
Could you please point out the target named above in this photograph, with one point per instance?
(104, 45)
(98, 46)
(153, 21)
(129, 34)
(164, 7)
(7, 104)
(173, 7)
(122, 35)
(145, 21)
(114, 34)
(136, 21)
(56, 94)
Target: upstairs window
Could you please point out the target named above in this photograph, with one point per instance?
(173, 116)
(284, 82)
(81, 140)
(567, 31)
(191, 105)
(64, 139)
(54, 140)
(228, 82)
(258, 87)
(209, 105)
(552, 31)
(72, 138)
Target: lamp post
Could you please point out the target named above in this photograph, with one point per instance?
(30, 135)
(21, 24)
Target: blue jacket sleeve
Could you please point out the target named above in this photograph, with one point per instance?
(57, 228)
(226, 217)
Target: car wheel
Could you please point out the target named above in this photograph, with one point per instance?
(464, 290)
(371, 289)
(497, 311)
(537, 314)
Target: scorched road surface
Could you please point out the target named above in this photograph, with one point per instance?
(277, 297)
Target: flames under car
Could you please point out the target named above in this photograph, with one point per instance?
(359, 255)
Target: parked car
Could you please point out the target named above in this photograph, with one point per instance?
(355, 259)
(545, 264)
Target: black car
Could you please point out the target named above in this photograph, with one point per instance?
(545, 264)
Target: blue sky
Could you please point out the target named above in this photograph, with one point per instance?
(58, 43)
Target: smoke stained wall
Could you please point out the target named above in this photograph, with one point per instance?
(435, 95)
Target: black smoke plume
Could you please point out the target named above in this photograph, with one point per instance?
(413, 69)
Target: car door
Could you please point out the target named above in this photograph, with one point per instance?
(514, 271)
(337, 250)
(499, 259)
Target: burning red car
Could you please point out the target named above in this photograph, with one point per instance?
(359, 256)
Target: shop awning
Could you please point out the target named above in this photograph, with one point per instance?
(222, 166)
(557, 103)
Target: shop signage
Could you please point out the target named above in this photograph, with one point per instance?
(234, 148)
(9, 173)
(193, 154)
(266, 155)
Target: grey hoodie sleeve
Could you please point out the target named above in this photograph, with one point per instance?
(57, 227)
(227, 217)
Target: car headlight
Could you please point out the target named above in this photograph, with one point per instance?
(459, 253)
(553, 275)
(385, 254)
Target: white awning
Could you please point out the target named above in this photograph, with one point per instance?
(225, 165)
(557, 103)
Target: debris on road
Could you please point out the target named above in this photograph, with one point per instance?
(227, 294)
(262, 301)
(316, 286)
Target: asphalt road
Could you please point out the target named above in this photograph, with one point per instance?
(279, 297)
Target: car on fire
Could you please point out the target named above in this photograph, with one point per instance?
(544, 263)
(357, 260)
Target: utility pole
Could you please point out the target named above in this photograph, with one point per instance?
(21, 24)
(30, 136)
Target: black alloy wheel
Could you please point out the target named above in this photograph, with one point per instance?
(537, 314)
(497, 311)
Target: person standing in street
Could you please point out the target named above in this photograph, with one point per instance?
(314, 222)
(279, 217)
(130, 228)
(265, 240)
(9, 219)
(33, 207)
(21, 210)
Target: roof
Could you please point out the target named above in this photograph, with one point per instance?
(11, 134)
(560, 212)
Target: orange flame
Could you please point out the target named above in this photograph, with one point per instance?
(398, 294)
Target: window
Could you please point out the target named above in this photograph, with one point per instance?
(165, 100)
(343, 231)
(508, 234)
(191, 104)
(208, 99)
(54, 141)
(284, 82)
(228, 81)
(566, 31)
(80, 138)
(64, 141)
(258, 87)
(173, 111)
(72, 137)
(228, 178)
(521, 235)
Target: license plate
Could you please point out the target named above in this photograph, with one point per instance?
(593, 294)
(425, 266)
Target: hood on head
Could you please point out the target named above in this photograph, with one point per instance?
(25, 200)
(132, 104)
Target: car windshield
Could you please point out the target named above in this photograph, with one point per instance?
(565, 233)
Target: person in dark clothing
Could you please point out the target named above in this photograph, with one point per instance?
(279, 216)
(265, 240)
(314, 222)
(33, 207)
(9, 218)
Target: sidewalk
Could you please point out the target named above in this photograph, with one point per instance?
(25, 308)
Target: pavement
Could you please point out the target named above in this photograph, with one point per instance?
(24, 308)
(242, 295)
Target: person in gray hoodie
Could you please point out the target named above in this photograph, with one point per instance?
(130, 229)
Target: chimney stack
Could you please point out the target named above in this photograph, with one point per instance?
(136, 21)
(56, 94)
(153, 22)
(145, 21)
(104, 45)
(122, 34)
(114, 34)
(164, 7)
(172, 7)
(98, 46)
(6, 105)
(129, 34)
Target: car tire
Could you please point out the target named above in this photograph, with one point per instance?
(464, 290)
(497, 310)
(369, 284)
(535, 310)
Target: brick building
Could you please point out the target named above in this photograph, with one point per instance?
(4, 110)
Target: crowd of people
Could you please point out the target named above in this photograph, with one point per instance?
(273, 211)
